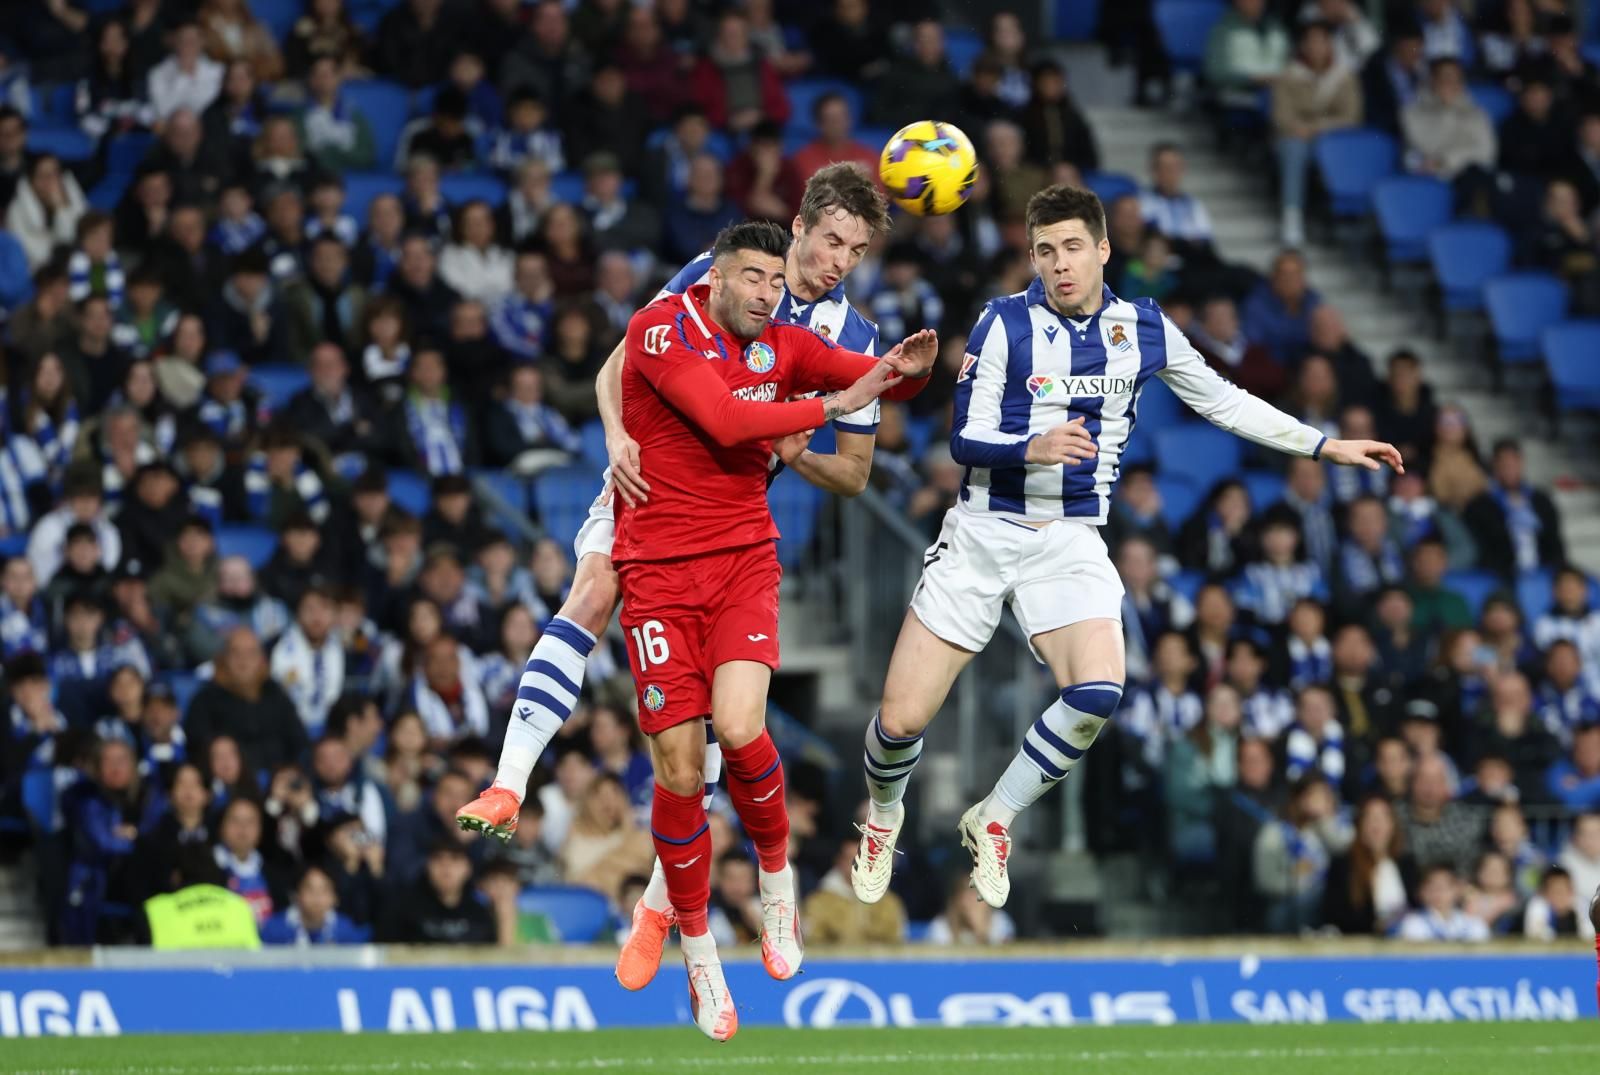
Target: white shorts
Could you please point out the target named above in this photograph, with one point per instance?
(1056, 575)
(599, 530)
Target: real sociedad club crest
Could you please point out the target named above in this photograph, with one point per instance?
(654, 698)
(1119, 338)
(760, 358)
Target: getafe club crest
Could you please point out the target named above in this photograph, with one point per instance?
(1119, 338)
(654, 698)
(760, 358)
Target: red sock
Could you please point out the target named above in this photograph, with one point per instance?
(755, 784)
(683, 843)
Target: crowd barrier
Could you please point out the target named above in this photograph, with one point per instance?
(831, 993)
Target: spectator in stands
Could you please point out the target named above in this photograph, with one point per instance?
(1517, 527)
(1573, 618)
(1201, 763)
(45, 322)
(1440, 917)
(967, 920)
(82, 503)
(1581, 859)
(617, 222)
(1455, 474)
(1438, 830)
(833, 916)
(1327, 336)
(734, 83)
(1291, 854)
(604, 844)
(1566, 701)
(1448, 135)
(1054, 128)
(1246, 50)
(325, 29)
(524, 423)
(111, 100)
(1508, 837)
(333, 133)
(1575, 779)
(1277, 313)
(243, 703)
(1564, 245)
(1216, 539)
(416, 41)
(1404, 409)
(308, 659)
(324, 304)
(474, 264)
(190, 577)
(920, 81)
(1180, 216)
(1510, 39)
(1015, 178)
(44, 213)
(1553, 912)
(693, 221)
(1136, 512)
(1573, 79)
(1510, 731)
(835, 141)
(187, 79)
(440, 907)
(313, 918)
(1370, 886)
(233, 34)
(429, 431)
(1268, 587)
(1436, 606)
(1492, 898)
(1314, 743)
(1316, 93)
(1534, 143)
(104, 820)
(330, 410)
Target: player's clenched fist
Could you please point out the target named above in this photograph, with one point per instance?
(1067, 443)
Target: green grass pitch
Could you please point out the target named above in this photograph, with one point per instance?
(1339, 1049)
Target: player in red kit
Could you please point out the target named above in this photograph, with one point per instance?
(706, 388)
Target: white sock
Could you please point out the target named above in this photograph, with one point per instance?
(1050, 749)
(888, 762)
(701, 947)
(549, 689)
(781, 882)
(655, 896)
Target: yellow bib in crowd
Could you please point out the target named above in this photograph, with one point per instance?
(201, 916)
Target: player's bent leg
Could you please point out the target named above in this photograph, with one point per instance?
(1086, 659)
(921, 672)
(755, 786)
(546, 695)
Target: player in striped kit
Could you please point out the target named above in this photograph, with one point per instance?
(840, 211)
(1045, 402)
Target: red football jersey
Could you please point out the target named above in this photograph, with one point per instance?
(705, 409)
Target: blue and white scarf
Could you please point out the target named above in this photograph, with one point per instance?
(438, 432)
(56, 439)
(1363, 573)
(1522, 522)
(21, 465)
(1270, 590)
(521, 326)
(542, 426)
(23, 630)
(344, 228)
(80, 278)
(307, 484)
(1309, 662)
(1349, 483)
(382, 367)
(499, 676)
(236, 236)
(229, 421)
(113, 484)
(511, 148)
(436, 715)
(206, 502)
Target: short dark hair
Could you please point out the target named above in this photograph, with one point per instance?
(844, 185)
(823, 101)
(1506, 444)
(91, 220)
(1061, 202)
(762, 236)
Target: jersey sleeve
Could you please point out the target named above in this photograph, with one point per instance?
(1226, 405)
(860, 335)
(818, 364)
(975, 436)
(658, 348)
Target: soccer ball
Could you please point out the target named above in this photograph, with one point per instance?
(928, 168)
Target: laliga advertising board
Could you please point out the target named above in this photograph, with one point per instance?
(1083, 992)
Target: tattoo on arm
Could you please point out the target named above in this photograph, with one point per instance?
(831, 407)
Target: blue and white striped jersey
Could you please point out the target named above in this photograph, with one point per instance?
(832, 316)
(1028, 369)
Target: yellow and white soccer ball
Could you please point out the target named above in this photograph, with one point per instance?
(929, 167)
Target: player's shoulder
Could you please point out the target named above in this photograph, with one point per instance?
(691, 274)
(1007, 314)
(779, 333)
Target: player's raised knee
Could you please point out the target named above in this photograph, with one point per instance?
(681, 772)
(900, 720)
(1097, 698)
(594, 595)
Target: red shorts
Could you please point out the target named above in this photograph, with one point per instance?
(685, 617)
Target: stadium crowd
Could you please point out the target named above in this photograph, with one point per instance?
(262, 331)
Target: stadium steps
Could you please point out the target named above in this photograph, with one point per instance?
(21, 928)
(1380, 320)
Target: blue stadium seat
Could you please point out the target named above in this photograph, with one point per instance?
(39, 799)
(803, 96)
(1183, 26)
(1179, 497)
(411, 491)
(127, 151)
(386, 105)
(1266, 487)
(794, 503)
(422, 100)
(719, 145)
(458, 188)
(13, 545)
(1408, 208)
(107, 194)
(1200, 452)
(1464, 254)
(278, 382)
(567, 186)
(1535, 593)
(917, 932)
(1572, 358)
(511, 488)
(1521, 305)
(1474, 586)
(1493, 99)
(185, 685)
(254, 543)
(1158, 407)
(1109, 186)
(1076, 20)
(1187, 583)
(54, 104)
(579, 915)
(561, 497)
(1351, 163)
(877, 137)
(68, 143)
(920, 433)
(961, 48)
(361, 189)
(593, 435)
(278, 15)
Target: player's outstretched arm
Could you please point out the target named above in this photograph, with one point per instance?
(844, 472)
(1371, 454)
(823, 366)
(622, 451)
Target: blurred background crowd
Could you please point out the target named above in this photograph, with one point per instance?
(304, 303)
